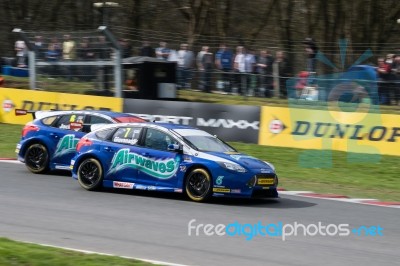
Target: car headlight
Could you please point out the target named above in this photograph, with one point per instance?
(270, 165)
(233, 167)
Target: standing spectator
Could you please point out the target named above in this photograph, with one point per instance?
(262, 64)
(102, 48)
(284, 72)
(40, 49)
(185, 65)
(53, 55)
(223, 62)
(103, 53)
(391, 78)
(85, 52)
(384, 71)
(396, 78)
(126, 48)
(208, 62)
(69, 47)
(57, 45)
(147, 50)
(239, 69)
(163, 51)
(69, 54)
(311, 52)
(249, 66)
(200, 66)
(21, 52)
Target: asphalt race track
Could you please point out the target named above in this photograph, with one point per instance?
(55, 210)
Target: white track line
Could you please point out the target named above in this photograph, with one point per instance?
(107, 254)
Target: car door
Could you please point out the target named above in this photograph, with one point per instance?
(65, 134)
(120, 154)
(158, 165)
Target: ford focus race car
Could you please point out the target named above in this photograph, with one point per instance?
(49, 141)
(171, 158)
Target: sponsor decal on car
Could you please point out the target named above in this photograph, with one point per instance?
(219, 180)
(162, 169)
(18, 148)
(221, 190)
(66, 144)
(265, 181)
(140, 187)
(266, 171)
(187, 158)
(125, 185)
(125, 141)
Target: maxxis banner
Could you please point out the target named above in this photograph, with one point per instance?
(229, 122)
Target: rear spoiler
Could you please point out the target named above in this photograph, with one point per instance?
(19, 112)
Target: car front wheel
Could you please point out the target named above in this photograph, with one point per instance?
(198, 185)
(90, 174)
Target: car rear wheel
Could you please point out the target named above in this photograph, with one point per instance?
(90, 174)
(198, 185)
(37, 158)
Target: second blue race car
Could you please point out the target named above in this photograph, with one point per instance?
(171, 158)
(49, 141)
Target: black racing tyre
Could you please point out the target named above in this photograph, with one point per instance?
(90, 174)
(37, 158)
(198, 185)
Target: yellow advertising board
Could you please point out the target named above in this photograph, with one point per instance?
(12, 99)
(330, 130)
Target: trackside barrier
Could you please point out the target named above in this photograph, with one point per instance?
(359, 131)
(229, 122)
(354, 132)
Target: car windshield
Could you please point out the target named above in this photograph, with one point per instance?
(204, 141)
(128, 119)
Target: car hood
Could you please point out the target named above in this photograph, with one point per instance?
(245, 160)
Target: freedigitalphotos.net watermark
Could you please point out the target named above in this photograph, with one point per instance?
(280, 230)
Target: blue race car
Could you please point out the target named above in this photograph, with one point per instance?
(49, 141)
(171, 158)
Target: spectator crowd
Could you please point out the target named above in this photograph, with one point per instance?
(231, 70)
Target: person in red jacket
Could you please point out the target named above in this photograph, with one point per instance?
(384, 72)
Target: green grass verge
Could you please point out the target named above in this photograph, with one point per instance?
(18, 253)
(9, 137)
(355, 175)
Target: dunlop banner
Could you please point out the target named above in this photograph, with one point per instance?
(41, 100)
(353, 132)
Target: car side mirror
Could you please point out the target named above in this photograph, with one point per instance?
(175, 147)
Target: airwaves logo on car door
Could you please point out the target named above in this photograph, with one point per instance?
(66, 144)
(162, 169)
